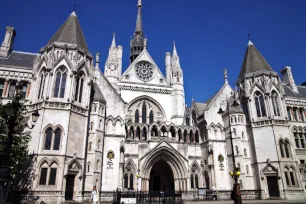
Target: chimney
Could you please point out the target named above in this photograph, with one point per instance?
(288, 78)
(7, 44)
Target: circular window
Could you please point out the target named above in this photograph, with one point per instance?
(144, 70)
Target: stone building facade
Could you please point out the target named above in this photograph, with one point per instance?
(133, 129)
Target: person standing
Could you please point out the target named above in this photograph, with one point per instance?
(94, 196)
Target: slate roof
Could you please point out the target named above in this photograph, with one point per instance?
(290, 93)
(200, 107)
(235, 109)
(70, 32)
(97, 94)
(21, 60)
(253, 61)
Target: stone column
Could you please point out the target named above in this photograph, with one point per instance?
(28, 89)
(213, 181)
(121, 167)
(188, 138)
(193, 138)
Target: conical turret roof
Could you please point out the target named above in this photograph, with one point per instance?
(253, 61)
(70, 32)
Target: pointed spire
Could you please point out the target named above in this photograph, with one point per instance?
(70, 32)
(114, 41)
(225, 76)
(138, 40)
(174, 49)
(139, 18)
(253, 61)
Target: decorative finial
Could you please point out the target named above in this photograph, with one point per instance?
(249, 39)
(139, 3)
(225, 76)
(173, 43)
(114, 34)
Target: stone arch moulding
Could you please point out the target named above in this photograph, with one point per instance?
(176, 161)
(131, 107)
(74, 167)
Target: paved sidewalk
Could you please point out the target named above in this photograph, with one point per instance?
(250, 202)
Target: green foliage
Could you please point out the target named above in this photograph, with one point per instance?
(21, 161)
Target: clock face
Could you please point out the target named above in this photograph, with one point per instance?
(144, 70)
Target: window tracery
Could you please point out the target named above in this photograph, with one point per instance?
(60, 82)
(275, 103)
(260, 105)
(52, 139)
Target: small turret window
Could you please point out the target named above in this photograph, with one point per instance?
(60, 83)
(275, 103)
(144, 113)
(79, 88)
(42, 84)
(260, 105)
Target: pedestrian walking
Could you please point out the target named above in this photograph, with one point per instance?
(94, 196)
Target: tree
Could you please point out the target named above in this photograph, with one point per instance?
(14, 152)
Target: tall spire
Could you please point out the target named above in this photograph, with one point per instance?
(139, 18)
(138, 43)
(114, 41)
(174, 49)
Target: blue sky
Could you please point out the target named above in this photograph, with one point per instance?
(210, 35)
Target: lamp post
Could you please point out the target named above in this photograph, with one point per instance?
(236, 171)
(11, 112)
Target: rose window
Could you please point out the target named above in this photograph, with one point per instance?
(144, 71)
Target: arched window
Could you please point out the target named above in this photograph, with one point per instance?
(185, 135)
(131, 181)
(91, 126)
(177, 77)
(247, 169)
(260, 105)
(281, 147)
(151, 118)
(79, 81)
(172, 131)
(287, 149)
(275, 103)
(99, 144)
(138, 133)
(238, 166)
(48, 174)
(52, 139)
(126, 181)
(1, 87)
(42, 84)
(192, 181)
(196, 181)
(194, 118)
(60, 83)
(137, 116)
(98, 164)
(132, 132)
(237, 150)
(12, 89)
(180, 135)
(144, 133)
(290, 177)
(197, 136)
(57, 139)
(88, 167)
(242, 135)
(154, 131)
(89, 146)
(163, 131)
(245, 152)
(100, 124)
(144, 112)
(240, 182)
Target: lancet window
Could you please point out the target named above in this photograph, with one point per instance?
(60, 82)
(260, 105)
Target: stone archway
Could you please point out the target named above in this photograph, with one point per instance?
(161, 177)
(165, 156)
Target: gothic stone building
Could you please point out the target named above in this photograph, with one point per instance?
(133, 130)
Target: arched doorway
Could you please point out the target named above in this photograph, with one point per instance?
(161, 177)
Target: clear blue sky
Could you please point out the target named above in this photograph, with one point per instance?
(210, 35)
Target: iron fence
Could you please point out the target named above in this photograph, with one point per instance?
(151, 197)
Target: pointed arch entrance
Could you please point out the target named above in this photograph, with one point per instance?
(163, 168)
(161, 177)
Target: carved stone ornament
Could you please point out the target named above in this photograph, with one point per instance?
(110, 155)
(144, 70)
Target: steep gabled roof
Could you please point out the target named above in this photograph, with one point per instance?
(70, 32)
(97, 94)
(253, 61)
